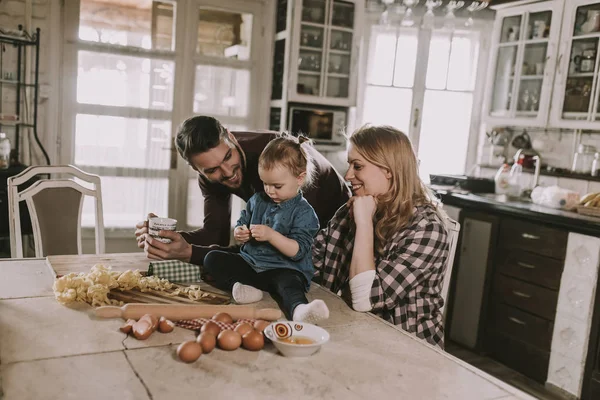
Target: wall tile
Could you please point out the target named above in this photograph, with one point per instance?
(574, 313)
(577, 185)
(565, 373)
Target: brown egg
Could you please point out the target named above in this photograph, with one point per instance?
(208, 341)
(229, 340)
(165, 326)
(223, 317)
(211, 327)
(260, 325)
(126, 328)
(253, 340)
(189, 351)
(243, 328)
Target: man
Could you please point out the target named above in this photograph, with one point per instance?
(227, 163)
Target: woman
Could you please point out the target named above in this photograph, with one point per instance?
(388, 245)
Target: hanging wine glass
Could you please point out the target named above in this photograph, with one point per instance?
(474, 7)
(429, 16)
(450, 18)
(408, 18)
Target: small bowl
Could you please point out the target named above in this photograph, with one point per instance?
(282, 332)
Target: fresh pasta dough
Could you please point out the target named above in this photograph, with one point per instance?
(93, 287)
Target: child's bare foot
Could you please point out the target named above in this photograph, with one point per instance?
(244, 294)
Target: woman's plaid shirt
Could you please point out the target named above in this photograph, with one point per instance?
(407, 285)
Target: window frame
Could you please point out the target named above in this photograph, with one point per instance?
(185, 62)
(419, 85)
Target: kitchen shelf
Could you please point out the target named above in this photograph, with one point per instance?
(342, 52)
(531, 77)
(310, 48)
(581, 75)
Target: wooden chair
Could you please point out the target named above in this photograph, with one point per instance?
(453, 228)
(55, 207)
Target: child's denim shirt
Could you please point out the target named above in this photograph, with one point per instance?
(295, 219)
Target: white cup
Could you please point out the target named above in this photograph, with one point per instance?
(157, 224)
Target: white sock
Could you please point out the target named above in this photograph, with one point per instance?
(312, 312)
(244, 294)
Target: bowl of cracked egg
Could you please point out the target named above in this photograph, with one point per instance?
(296, 339)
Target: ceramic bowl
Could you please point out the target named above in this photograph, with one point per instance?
(288, 337)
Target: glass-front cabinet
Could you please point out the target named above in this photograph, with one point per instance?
(326, 61)
(523, 64)
(577, 87)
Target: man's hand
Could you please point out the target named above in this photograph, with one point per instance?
(141, 228)
(242, 234)
(261, 233)
(363, 209)
(178, 249)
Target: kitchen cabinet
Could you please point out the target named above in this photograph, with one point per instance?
(316, 51)
(577, 88)
(522, 64)
(472, 275)
(522, 302)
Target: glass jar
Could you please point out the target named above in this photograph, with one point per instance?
(596, 164)
(4, 151)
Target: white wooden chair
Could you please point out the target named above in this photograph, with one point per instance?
(453, 228)
(55, 207)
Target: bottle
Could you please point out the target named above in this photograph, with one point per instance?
(502, 180)
(515, 179)
(4, 151)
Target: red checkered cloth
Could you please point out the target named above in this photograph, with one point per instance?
(196, 324)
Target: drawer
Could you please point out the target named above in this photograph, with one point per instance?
(533, 237)
(519, 356)
(520, 325)
(533, 268)
(534, 299)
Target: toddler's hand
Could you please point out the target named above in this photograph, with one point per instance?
(241, 234)
(262, 233)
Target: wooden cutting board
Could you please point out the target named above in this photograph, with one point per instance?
(62, 265)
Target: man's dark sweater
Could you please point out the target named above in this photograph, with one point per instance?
(327, 193)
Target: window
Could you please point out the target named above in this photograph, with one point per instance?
(422, 82)
(129, 69)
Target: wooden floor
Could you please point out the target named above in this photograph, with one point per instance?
(502, 372)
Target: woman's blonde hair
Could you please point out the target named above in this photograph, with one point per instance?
(289, 152)
(391, 150)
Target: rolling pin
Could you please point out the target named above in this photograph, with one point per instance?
(176, 312)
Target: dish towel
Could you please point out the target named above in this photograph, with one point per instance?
(175, 271)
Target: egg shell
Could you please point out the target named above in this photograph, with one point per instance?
(189, 351)
(165, 326)
(128, 326)
(152, 319)
(142, 329)
(260, 325)
(253, 340)
(243, 328)
(229, 340)
(223, 317)
(208, 341)
(211, 327)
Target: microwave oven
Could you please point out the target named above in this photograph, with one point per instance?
(323, 126)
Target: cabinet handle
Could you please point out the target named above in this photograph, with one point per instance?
(416, 121)
(521, 294)
(524, 265)
(517, 321)
(558, 63)
(529, 236)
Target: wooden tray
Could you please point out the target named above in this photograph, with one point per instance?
(62, 265)
(590, 211)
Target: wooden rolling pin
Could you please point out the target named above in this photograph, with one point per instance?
(176, 312)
